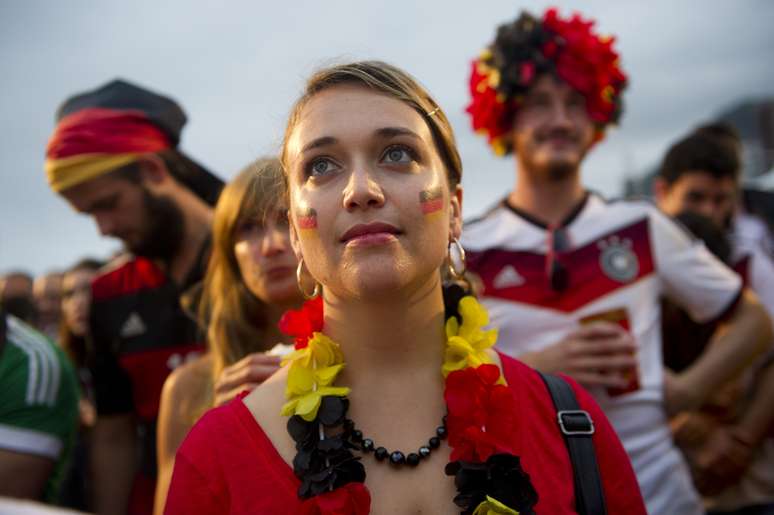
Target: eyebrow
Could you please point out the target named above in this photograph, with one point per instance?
(319, 142)
(391, 132)
(384, 132)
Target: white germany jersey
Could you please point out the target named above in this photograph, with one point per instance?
(623, 256)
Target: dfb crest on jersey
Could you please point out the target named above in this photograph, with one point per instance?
(617, 259)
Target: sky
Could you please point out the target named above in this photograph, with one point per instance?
(236, 67)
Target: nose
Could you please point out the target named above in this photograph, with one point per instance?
(707, 208)
(363, 190)
(274, 241)
(560, 115)
(104, 224)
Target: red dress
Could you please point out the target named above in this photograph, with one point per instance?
(228, 465)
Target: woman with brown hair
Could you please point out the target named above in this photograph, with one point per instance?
(250, 282)
(386, 356)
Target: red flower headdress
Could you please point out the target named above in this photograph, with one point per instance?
(527, 48)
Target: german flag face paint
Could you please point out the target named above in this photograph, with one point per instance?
(307, 220)
(431, 200)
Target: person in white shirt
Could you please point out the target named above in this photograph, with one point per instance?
(573, 281)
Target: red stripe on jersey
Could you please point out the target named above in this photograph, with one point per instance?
(135, 275)
(591, 269)
(148, 371)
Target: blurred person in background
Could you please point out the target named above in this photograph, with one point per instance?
(38, 412)
(250, 282)
(16, 295)
(113, 156)
(574, 282)
(73, 336)
(749, 224)
(47, 294)
(729, 441)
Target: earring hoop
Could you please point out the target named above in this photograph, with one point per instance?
(458, 274)
(299, 272)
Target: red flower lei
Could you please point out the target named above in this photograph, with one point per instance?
(567, 47)
(481, 418)
(303, 323)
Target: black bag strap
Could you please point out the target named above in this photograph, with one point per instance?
(577, 427)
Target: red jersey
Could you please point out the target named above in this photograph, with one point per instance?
(227, 464)
(140, 333)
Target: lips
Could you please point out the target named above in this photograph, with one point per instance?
(363, 231)
(278, 272)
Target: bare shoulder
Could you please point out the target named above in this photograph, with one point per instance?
(268, 397)
(188, 385)
(265, 403)
(188, 375)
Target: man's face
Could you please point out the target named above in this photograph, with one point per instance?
(552, 131)
(149, 225)
(699, 192)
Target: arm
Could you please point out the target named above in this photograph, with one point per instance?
(113, 462)
(730, 450)
(24, 475)
(176, 416)
(747, 334)
(597, 354)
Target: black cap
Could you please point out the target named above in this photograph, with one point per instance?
(119, 94)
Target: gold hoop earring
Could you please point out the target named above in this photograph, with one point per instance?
(458, 274)
(299, 272)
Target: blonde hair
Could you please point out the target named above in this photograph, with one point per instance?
(235, 319)
(393, 82)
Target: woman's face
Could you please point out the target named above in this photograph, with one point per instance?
(76, 300)
(266, 260)
(370, 201)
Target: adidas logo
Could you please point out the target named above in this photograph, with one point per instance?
(507, 277)
(134, 326)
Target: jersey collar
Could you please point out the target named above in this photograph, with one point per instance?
(542, 225)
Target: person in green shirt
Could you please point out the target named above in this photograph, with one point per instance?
(38, 412)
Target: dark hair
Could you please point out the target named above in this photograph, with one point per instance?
(203, 183)
(720, 130)
(76, 346)
(700, 152)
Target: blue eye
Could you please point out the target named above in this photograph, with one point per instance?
(398, 154)
(320, 166)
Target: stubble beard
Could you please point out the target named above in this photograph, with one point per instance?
(163, 233)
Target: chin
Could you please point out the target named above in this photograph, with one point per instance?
(559, 167)
(372, 284)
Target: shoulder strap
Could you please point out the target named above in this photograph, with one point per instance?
(577, 427)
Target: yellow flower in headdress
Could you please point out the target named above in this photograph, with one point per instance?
(467, 344)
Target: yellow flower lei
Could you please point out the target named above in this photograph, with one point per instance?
(312, 371)
(492, 506)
